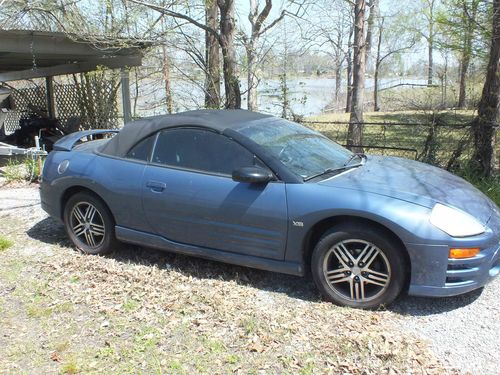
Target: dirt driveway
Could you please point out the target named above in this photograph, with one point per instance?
(140, 310)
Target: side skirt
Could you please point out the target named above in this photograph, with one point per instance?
(151, 240)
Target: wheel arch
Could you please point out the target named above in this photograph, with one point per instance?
(318, 229)
(72, 190)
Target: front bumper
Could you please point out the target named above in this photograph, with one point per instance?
(444, 277)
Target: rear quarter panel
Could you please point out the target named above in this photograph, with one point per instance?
(116, 181)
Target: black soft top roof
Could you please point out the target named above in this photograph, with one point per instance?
(218, 120)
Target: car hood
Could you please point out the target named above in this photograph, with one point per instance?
(414, 182)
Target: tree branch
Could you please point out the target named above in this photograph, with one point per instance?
(171, 13)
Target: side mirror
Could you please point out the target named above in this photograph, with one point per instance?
(252, 175)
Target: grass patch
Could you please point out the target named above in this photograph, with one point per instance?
(488, 185)
(5, 243)
(27, 169)
(130, 305)
(70, 367)
(250, 325)
(232, 359)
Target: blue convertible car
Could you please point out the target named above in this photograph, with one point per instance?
(254, 190)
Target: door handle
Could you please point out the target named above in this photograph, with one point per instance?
(156, 186)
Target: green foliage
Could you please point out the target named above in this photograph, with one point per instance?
(18, 170)
(462, 24)
(14, 171)
(5, 243)
(488, 185)
(70, 367)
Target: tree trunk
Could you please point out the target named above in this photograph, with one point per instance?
(431, 63)
(369, 32)
(377, 67)
(469, 17)
(166, 80)
(430, 41)
(349, 75)
(464, 66)
(376, 108)
(212, 61)
(227, 30)
(355, 131)
(251, 79)
(483, 126)
(338, 80)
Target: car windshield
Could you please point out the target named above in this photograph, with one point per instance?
(304, 151)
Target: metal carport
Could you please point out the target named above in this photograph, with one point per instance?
(26, 54)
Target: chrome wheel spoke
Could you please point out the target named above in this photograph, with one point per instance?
(97, 229)
(78, 215)
(341, 280)
(370, 255)
(343, 255)
(79, 229)
(88, 224)
(362, 288)
(90, 213)
(89, 237)
(346, 268)
(354, 290)
(377, 278)
(357, 290)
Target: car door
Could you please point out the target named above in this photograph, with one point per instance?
(189, 196)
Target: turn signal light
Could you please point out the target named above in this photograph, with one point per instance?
(464, 253)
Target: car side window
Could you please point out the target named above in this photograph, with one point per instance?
(201, 150)
(142, 150)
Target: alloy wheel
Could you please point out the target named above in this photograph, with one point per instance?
(87, 224)
(357, 270)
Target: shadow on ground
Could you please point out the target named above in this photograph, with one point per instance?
(52, 232)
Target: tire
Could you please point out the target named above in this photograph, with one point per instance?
(89, 224)
(358, 266)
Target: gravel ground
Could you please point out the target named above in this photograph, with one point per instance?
(285, 321)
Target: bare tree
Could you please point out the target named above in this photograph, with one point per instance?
(374, 13)
(225, 37)
(355, 130)
(257, 19)
(483, 126)
(212, 61)
(469, 18)
(348, 104)
(429, 13)
(395, 42)
(330, 26)
(226, 41)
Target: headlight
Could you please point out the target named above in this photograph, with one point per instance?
(455, 222)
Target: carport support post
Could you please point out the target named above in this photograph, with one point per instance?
(49, 89)
(125, 83)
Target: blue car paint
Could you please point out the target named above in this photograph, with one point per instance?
(216, 212)
(267, 227)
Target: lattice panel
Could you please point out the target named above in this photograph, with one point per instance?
(92, 104)
(66, 102)
(34, 96)
(11, 121)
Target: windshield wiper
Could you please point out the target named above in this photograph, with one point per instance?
(332, 170)
(360, 155)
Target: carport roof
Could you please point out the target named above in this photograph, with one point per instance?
(27, 54)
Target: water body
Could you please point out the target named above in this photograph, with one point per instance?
(307, 96)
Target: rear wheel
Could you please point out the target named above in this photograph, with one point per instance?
(358, 267)
(89, 224)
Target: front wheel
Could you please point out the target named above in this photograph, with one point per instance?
(89, 224)
(358, 267)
